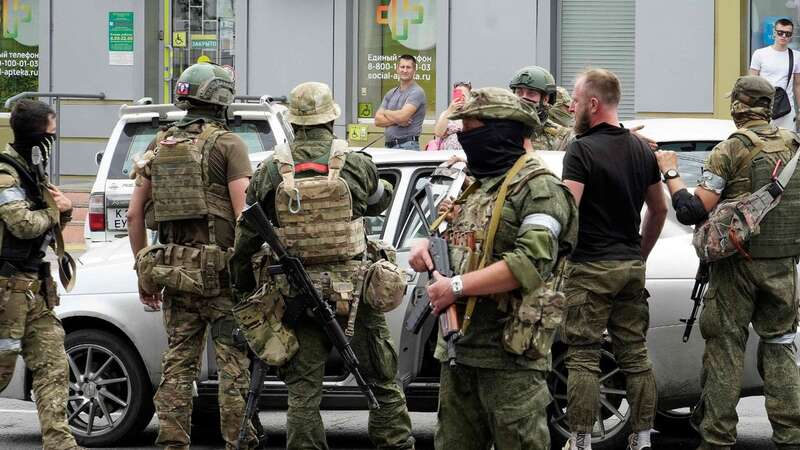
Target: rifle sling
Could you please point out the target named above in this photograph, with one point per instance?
(494, 222)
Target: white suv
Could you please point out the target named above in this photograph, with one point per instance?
(261, 125)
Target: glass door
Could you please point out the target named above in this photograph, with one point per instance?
(200, 30)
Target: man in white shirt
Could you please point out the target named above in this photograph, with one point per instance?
(772, 63)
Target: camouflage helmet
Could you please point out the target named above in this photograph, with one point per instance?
(537, 78)
(205, 82)
(312, 103)
(749, 89)
(498, 103)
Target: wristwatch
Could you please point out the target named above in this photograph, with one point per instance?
(670, 174)
(456, 285)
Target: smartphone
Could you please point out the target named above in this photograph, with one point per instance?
(458, 94)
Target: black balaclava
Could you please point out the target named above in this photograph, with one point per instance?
(23, 144)
(493, 148)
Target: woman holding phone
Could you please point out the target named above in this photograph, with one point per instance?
(446, 129)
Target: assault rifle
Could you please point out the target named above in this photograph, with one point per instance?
(700, 281)
(258, 371)
(308, 297)
(437, 248)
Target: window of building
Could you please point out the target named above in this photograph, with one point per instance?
(599, 34)
(386, 30)
(202, 30)
(763, 14)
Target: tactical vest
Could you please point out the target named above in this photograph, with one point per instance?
(181, 188)
(26, 255)
(780, 230)
(315, 214)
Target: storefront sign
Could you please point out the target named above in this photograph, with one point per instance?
(200, 41)
(387, 30)
(179, 39)
(120, 38)
(19, 47)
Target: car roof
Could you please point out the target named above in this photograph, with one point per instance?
(684, 129)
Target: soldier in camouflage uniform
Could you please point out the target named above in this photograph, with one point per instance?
(559, 112)
(28, 326)
(759, 289)
(494, 392)
(339, 254)
(193, 181)
(537, 85)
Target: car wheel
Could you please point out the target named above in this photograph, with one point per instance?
(674, 421)
(612, 426)
(110, 397)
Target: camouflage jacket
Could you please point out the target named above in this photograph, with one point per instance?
(359, 172)
(16, 213)
(529, 250)
(552, 137)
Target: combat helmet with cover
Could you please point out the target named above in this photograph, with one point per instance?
(207, 83)
(539, 79)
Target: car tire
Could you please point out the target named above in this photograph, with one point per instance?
(674, 421)
(110, 396)
(614, 407)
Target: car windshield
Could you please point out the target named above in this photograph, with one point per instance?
(691, 155)
(136, 137)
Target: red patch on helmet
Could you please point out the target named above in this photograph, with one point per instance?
(182, 88)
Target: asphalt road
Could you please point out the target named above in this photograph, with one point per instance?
(19, 429)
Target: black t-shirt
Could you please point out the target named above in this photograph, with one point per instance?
(616, 169)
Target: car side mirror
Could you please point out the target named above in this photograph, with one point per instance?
(98, 157)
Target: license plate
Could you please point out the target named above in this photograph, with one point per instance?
(117, 219)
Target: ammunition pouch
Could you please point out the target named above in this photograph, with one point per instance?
(190, 270)
(384, 286)
(533, 322)
(260, 319)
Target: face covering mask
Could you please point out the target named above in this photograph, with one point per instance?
(493, 148)
(43, 140)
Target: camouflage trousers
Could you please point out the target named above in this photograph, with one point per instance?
(389, 427)
(186, 319)
(28, 327)
(761, 292)
(607, 295)
(481, 407)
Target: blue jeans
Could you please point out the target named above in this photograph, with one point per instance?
(408, 145)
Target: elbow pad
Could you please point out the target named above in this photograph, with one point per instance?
(688, 208)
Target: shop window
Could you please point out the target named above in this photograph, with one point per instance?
(386, 30)
(763, 14)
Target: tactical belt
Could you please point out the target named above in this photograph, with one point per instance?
(20, 285)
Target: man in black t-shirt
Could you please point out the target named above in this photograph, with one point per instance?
(612, 174)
